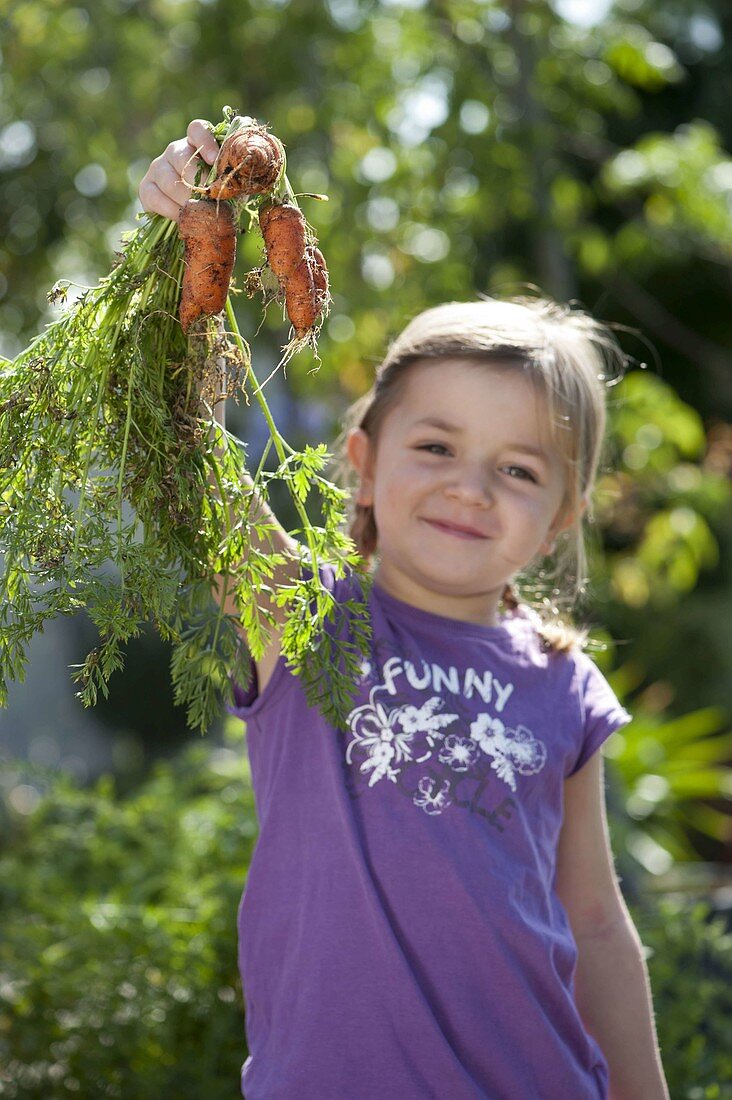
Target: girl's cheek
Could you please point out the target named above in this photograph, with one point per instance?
(404, 473)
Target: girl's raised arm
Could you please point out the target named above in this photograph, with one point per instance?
(277, 541)
(163, 190)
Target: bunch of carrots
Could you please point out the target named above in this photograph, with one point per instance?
(251, 162)
(107, 459)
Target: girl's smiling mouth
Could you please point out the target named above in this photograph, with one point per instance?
(456, 529)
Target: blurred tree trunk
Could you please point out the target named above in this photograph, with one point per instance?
(554, 272)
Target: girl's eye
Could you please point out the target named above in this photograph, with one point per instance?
(525, 474)
(441, 448)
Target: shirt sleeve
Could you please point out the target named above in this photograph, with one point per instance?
(601, 712)
(248, 700)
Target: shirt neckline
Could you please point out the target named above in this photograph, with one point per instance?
(444, 622)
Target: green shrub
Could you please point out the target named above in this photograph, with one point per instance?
(118, 970)
(689, 955)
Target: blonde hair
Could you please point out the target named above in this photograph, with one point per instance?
(571, 358)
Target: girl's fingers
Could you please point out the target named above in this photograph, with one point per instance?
(181, 163)
(169, 179)
(155, 201)
(200, 137)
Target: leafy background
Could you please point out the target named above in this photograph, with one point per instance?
(581, 147)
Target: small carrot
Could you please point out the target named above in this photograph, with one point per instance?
(208, 230)
(298, 263)
(320, 277)
(250, 162)
(300, 297)
(283, 229)
(306, 291)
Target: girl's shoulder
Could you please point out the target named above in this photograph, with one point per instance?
(556, 637)
(522, 631)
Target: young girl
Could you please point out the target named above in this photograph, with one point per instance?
(431, 912)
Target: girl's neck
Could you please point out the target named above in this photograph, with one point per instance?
(479, 608)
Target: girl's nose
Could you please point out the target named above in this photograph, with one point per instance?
(471, 487)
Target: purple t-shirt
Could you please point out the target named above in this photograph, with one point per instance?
(399, 933)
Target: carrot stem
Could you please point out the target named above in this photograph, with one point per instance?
(275, 435)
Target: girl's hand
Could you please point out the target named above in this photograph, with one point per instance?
(163, 189)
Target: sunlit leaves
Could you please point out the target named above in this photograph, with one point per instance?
(666, 767)
(641, 61)
(659, 505)
(686, 179)
(301, 468)
(651, 417)
(675, 547)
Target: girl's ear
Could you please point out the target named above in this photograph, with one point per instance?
(360, 455)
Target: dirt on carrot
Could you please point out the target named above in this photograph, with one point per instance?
(284, 231)
(297, 262)
(300, 297)
(208, 230)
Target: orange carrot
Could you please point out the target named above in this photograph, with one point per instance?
(249, 163)
(301, 297)
(297, 263)
(283, 230)
(208, 230)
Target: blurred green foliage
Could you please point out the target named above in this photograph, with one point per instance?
(118, 973)
(689, 956)
(118, 966)
(675, 782)
(660, 504)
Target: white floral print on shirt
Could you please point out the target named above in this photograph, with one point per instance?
(387, 735)
(392, 737)
(512, 750)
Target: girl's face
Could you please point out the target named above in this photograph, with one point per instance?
(465, 485)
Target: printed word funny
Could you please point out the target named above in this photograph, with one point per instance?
(447, 679)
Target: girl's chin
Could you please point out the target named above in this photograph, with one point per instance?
(443, 576)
